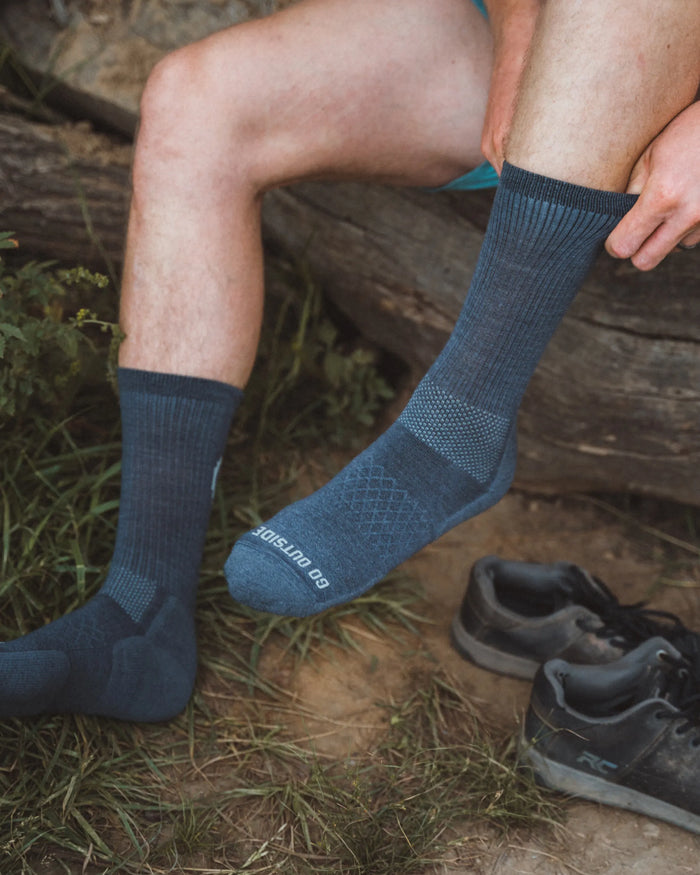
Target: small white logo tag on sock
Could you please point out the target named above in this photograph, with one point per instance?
(215, 475)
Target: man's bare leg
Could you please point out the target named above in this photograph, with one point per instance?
(393, 91)
(601, 82)
(451, 453)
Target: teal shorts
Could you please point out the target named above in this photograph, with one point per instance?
(483, 176)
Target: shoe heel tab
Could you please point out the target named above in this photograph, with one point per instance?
(534, 577)
(485, 567)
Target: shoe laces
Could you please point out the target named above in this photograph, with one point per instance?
(682, 686)
(625, 625)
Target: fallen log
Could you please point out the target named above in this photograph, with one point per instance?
(65, 190)
(615, 402)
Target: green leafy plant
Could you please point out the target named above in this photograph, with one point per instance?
(44, 356)
(311, 375)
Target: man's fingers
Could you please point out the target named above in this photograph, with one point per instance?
(493, 155)
(638, 176)
(632, 230)
(654, 249)
(690, 241)
(493, 145)
(666, 215)
(647, 246)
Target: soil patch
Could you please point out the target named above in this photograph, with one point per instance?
(339, 693)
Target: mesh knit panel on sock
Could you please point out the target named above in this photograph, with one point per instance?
(133, 592)
(471, 438)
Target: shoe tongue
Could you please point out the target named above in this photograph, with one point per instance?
(659, 682)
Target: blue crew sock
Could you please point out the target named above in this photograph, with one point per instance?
(130, 652)
(451, 453)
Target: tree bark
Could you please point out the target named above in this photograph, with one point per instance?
(65, 191)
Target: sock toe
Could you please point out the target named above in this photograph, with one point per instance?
(265, 582)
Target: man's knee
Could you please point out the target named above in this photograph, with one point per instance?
(190, 119)
(168, 92)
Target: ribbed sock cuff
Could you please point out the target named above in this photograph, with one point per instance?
(567, 194)
(176, 385)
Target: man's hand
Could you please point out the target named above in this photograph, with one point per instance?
(512, 26)
(667, 179)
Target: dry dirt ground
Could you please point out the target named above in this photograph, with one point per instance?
(343, 690)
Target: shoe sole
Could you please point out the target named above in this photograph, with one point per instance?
(489, 657)
(558, 776)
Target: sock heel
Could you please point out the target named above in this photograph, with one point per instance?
(500, 484)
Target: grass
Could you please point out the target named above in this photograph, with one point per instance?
(228, 786)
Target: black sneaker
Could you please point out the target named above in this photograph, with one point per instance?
(625, 734)
(517, 615)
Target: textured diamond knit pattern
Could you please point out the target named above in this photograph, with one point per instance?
(379, 507)
(471, 438)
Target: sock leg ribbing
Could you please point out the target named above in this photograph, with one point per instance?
(130, 652)
(451, 453)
